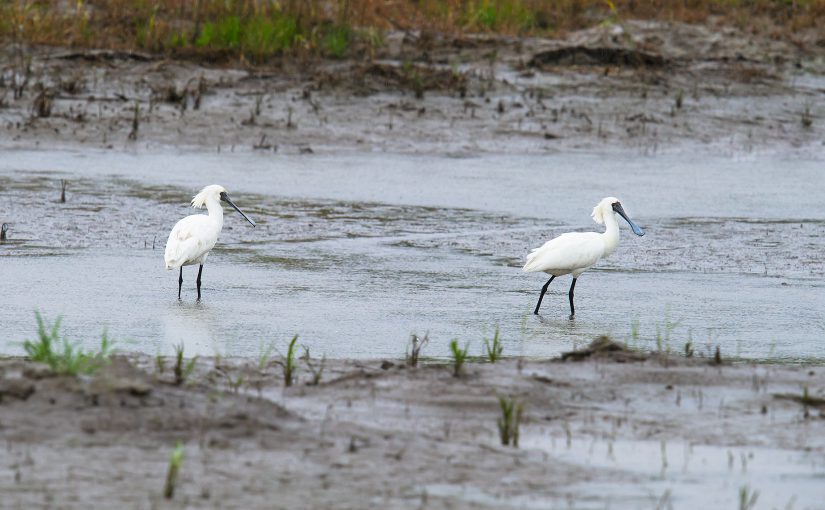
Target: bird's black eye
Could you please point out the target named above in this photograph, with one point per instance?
(224, 196)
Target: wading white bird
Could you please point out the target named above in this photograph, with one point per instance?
(193, 237)
(576, 252)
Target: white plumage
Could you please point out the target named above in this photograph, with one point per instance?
(193, 237)
(576, 252)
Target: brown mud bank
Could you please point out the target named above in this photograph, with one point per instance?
(616, 429)
(644, 86)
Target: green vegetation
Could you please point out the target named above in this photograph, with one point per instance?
(493, 349)
(510, 420)
(459, 356)
(288, 364)
(63, 356)
(175, 461)
(182, 370)
(255, 31)
(747, 498)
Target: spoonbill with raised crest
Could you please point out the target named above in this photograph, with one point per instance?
(193, 237)
(576, 252)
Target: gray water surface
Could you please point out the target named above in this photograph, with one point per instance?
(356, 251)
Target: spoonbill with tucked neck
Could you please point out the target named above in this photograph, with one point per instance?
(576, 252)
(193, 237)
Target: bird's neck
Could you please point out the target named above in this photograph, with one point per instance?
(215, 212)
(611, 233)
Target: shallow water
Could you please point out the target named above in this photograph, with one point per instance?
(356, 251)
(676, 474)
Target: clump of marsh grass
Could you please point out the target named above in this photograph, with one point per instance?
(493, 348)
(175, 462)
(414, 349)
(747, 498)
(62, 356)
(510, 420)
(459, 356)
(183, 369)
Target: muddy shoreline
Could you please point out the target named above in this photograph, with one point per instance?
(614, 430)
(380, 434)
(639, 87)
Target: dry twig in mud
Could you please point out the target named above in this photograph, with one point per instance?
(135, 123)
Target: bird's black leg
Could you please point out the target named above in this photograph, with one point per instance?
(543, 290)
(570, 295)
(180, 281)
(200, 270)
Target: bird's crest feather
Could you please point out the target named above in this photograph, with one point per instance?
(199, 200)
(598, 217)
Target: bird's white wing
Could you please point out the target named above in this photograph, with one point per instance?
(189, 239)
(565, 253)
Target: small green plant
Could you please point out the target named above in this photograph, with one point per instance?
(175, 461)
(337, 40)
(510, 420)
(288, 364)
(265, 355)
(160, 363)
(747, 498)
(63, 356)
(316, 370)
(459, 356)
(717, 356)
(414, 349)
(494, 348)
(182, 369)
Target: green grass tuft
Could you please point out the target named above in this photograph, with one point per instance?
(459, 356)
(63, 356)
(493, 349)
(288, 363)
(510, 420)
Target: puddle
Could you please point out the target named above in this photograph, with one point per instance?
(676, 474)
(357, 251)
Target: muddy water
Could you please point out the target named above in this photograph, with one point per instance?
(356, 251)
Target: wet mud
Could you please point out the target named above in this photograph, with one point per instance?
(610, 430)
(642, 87)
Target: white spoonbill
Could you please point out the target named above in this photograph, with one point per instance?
(193, 237)
(576, 252)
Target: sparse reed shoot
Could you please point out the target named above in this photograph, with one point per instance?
(183, 369)
(175, 462)
(459, 356)
(493, 349)
(510, 420)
